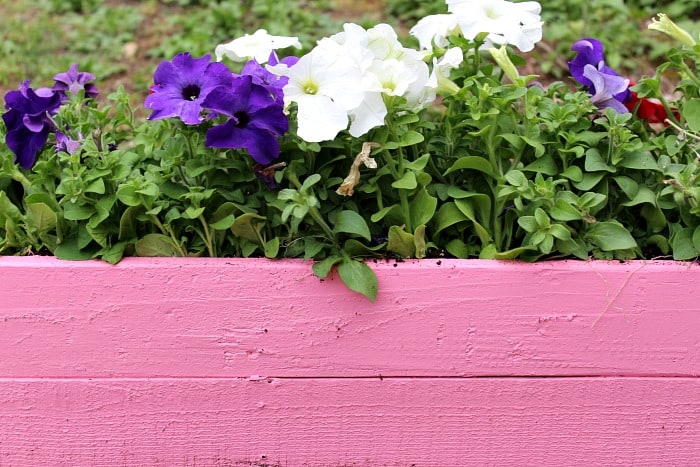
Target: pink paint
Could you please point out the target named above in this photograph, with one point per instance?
(199, 361)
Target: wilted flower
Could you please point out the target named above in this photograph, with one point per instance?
(347, 188)
(73, 81)
(256, 119)
(28, 121)
(182, 85)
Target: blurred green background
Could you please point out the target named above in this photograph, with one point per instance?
(121, 42)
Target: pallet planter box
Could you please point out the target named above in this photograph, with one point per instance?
(257, 362)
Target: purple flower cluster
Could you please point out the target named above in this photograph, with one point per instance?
(196, 89)
(28, 121)
(29, 111)
(608, 89)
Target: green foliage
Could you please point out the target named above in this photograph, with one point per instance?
(500, 170)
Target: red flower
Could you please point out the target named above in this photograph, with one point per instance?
(650, 110)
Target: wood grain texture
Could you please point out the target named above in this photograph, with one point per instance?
(241, 318)
(202, 362)
(342, 422)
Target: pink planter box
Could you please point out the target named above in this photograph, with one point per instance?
(257, 362)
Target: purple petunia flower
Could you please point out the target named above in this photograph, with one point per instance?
(73, 81)
(67, 144)
(28, 121)
(256, 119)
(263, 77)
(591, 54)
(182, 85)
(606, 88)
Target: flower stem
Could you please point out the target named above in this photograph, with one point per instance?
(207, 237)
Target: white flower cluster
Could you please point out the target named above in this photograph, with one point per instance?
(518, 24)
(344, 82)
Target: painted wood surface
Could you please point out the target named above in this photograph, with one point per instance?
(222, 362)
(347, 422)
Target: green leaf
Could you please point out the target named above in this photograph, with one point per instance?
(77, 212)
(272, 248)
(419, 241)
(610, 236)
(155, 245)
(406, 182)
(589, 181)
(355, 248)
(691, 114)
(97, 186)
(410, 138)
(382, 213)
(563, 211)
(40, 218)
(516, 178)
(683, 245)
(224, 223)
(114, 253)
(127, 223)
(512, 253)
(192, 212)
(560, 232)
(595, 163)
(573, 173)
(542, 218)
(472, 163)
(627, 185)
(457, 248)
(401, 242)
(643, 195)
(310, 181)
(357, 276)
(448, 214)
(71, 250)
(323, 267)
(353, 223)
(407, 119)
(640, 161)
(127, 194)
(149, 189)
(422, 207)
(467, 207)
(528, 223)
(419, 164)
(249, 226)
(544, 165)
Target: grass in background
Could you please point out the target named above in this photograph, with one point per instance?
(121, 42)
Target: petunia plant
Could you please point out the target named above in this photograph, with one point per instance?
(360, 148)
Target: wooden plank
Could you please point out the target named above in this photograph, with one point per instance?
(350, 422)
(246, 317)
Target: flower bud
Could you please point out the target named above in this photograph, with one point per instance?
(665, 25)
(500, 55)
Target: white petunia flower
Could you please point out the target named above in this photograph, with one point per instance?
(325, 87)
(518, 24)
(257, 46)
(441, 68)
(435, 28)
(369, 114)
